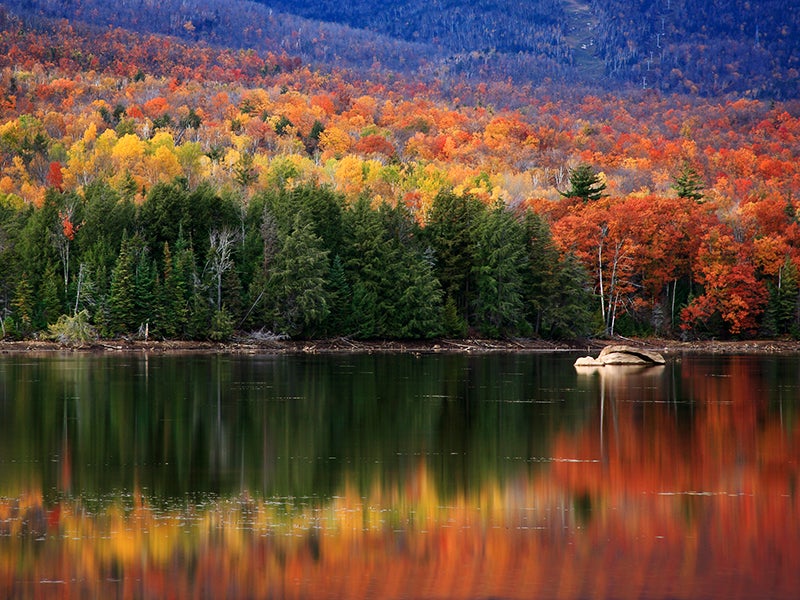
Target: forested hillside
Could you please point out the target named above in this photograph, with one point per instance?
(168, 187)
(710, 47)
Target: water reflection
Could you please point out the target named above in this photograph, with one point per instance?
(397, 477)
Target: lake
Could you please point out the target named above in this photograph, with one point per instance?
(398, 476)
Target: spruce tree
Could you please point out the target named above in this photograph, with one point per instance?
(365, 266)
(420, 309)
(122, 307)
(450, 232)
(584, 183)
(50, 306)
(339, 300)
(501, 265)
(297, 283)
(22, 305)
(541, 278)
(688, 183)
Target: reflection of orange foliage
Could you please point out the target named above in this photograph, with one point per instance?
(640, 507)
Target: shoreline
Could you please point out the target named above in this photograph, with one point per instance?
(440, 346)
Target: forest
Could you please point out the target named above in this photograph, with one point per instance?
(706, 47)
(164, 187)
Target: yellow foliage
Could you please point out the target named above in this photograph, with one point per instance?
(128, 150)
(33, 194)
(349, 175)
(162, 138)
(6, 185)
(334, 142)
(162, 165)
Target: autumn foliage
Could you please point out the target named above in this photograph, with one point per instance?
(136, 112)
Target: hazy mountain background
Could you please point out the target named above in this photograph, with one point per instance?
(707, 47)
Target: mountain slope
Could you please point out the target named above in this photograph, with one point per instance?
(707, 47)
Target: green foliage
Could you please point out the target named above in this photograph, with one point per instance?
(557, 295)
(282, 125)
(191, 121)
(222, 328)
(450, 232)
(501, 265)
(688, 183)
(297, 292)
(568, 314)
(49, 301)
(420, 310)
(584, 183)
(163, 213)
(244, 173)
(339, 299)
(22, 305)
(73, 331)
(122, 305)
(781, 315)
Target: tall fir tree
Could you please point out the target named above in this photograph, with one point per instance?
(688, 183)
(122, 306)
(584, 183)
(500, 269)
(450, 232)
(297, 283)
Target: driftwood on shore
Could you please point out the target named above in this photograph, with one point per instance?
(622, 355)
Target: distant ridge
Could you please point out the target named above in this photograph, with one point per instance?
(704, 47)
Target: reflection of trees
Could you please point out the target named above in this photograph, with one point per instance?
(327, 481)
(518, 540)
(286, 426)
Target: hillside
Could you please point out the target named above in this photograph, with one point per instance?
(158, 186)
(706, 47)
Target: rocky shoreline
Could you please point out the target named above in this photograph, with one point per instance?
(345, 345)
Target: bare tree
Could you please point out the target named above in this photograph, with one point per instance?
(220, 256)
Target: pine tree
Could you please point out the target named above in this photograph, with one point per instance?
(365, 267)
(50, 306)
(420, 308)
(339, 299)
(584, 183)
(781, 314)
(501, 265)
(541, 278)
(450, 232)
(688, 184)
(297, 283)
(122, 307)
(22, 305)
(145, 280)
(568, 314)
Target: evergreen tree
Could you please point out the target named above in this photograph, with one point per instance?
(365, 266)
(50, 306)
(501, 265)
(145, 283)
(569, 313)
(106, 217)
(244, 172)
(781, 314)
(22, 305)
(541, 278)
(122, 307)
(164, 214)
(688, 184)
(420, 309)
(339, 299)
(14, 213)
(450, 232)
(297, 283)
(584, 183)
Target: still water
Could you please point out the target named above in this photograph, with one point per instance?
(398, 476)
